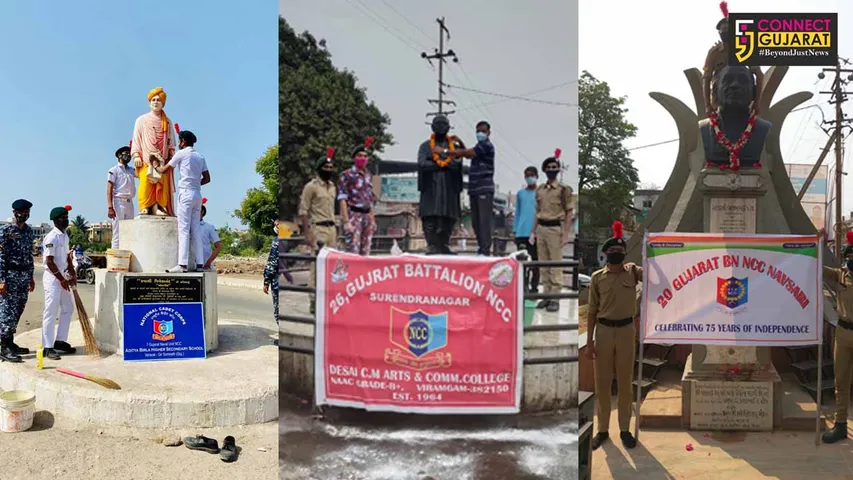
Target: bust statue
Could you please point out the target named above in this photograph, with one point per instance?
(733, 136)
(154, 144)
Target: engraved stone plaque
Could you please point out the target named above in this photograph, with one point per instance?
(731, 406)
(732, 215)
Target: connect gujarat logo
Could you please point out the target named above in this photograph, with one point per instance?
(794, 39)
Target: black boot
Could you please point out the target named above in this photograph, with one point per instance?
(628, 440)
(64, 347)
(51, 354)
(838, 433)
(7, 352)
(17, 349)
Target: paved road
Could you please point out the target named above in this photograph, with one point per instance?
(358, 445)
(235, 304)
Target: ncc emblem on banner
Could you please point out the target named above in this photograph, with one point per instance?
(164, 330)
(732, 292)
(418, 336)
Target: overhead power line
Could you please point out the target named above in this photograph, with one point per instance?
(527, 94)
(511, 97)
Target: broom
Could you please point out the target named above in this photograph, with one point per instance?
(88, 334)
(104, 382)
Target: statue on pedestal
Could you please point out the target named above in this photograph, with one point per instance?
(154, 145)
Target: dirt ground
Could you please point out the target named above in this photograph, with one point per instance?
(76, 451)
(231, 265)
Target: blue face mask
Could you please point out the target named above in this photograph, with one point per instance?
(552, 174)
(482, 137)
(530, 180)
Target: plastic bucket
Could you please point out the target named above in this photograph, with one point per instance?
(529, 311)
(118, 260)
(16, 410)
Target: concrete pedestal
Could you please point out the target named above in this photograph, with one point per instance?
(109, 320)
(153, 241)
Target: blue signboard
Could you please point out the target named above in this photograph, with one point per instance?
(163, 318)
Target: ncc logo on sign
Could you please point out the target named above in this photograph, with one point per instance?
(732, 292)
(418, 332)
(164, 330)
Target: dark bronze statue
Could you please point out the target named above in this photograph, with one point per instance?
(734, 136)
(440, 184)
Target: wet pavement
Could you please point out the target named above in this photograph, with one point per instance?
(345, 444)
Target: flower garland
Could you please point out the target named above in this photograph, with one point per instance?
(733, 148)
(438, 161)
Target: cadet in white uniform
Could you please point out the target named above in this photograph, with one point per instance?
(209, 236)
(194, 174)
(121, 189)
(57, 280)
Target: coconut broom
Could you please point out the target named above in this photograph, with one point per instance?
(104, 382)
(86, 325)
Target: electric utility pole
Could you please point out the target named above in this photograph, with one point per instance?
(836, 130)
(440, 56)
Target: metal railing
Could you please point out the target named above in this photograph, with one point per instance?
(572, 264)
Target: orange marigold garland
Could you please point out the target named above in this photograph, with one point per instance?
(733, 148)
(438, 161)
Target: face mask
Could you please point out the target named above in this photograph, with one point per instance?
(124, 159)
(530, 180)
(551, 174)
(275, 229)
(615, 258)
(22, 217)
(325, 174)
(360, 162)
(482, 137)
(61, 223)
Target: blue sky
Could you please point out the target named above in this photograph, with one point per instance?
(75, 75)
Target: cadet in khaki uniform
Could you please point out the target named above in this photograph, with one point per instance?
(843, 353)
(317, 209)
(612, 334)
(718, 57)
(551, 227)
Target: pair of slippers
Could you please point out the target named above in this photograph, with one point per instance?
(228, 452)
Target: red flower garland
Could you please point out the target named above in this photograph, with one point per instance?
(733, 148)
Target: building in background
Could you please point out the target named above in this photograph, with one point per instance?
(814, 202)
(101, 232)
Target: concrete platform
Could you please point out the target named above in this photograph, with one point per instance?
(661, 408)
(238, 385)
(546, 387)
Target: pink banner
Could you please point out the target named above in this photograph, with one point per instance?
(418, 334)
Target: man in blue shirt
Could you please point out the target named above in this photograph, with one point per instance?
(522, 227)
(481, 186)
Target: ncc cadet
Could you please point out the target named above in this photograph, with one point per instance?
(16, 278)
(843, 352)
(121, 190)
(718, 57)
(355, 195)
(551, 227)
(57, 280)
(317, 210)
(611, 334)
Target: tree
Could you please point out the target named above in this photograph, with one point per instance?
(81, 224)
(258, 209)
(320, 106)
(78, 233)
(607, 173)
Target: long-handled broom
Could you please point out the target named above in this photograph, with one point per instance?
(86, 325)
(104, 382)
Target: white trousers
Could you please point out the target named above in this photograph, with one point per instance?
(189, 230)
(57, 302)
(124, 211)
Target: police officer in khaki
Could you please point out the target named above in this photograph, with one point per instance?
(317, 210)
(612, 335)
(551, 227)
(843, 353)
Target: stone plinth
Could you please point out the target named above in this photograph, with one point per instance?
(153, 241)
(750, 400)
(109, 320)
